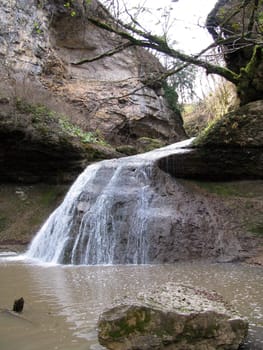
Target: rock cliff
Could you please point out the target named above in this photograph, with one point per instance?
(39, 43)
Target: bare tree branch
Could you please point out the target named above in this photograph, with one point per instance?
(156, 43)
(236, 28)
(104, 54)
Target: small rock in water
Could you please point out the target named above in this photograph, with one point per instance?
(172, 317)
(18, 305)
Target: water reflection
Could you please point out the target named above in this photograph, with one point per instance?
(63, 302)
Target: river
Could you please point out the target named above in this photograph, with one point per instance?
(62, 303)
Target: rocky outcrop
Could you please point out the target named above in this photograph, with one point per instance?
(172, 317)
(40, 42)
(39, 145)
(230, 149)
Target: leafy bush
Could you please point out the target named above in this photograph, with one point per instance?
(171, 97)
(75, 131)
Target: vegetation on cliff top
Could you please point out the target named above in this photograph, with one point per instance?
(240, 128)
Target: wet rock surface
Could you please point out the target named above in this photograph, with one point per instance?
(172, 317)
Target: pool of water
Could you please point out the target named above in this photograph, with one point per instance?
(62, 303)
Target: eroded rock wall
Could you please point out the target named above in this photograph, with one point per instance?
(40, 41)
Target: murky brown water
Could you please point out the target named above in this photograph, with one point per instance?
(62, 303)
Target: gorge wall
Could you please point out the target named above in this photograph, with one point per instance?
(39, 43)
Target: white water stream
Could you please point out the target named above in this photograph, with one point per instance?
(109, 198)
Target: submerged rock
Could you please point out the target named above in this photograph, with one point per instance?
(173, 317)
(18, 305)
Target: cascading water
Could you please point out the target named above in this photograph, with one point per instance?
(105, 216)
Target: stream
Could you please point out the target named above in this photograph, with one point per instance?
(62, 303)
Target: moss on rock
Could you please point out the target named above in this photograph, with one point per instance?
(242, 128)
(146, 144)
(155, 321)
(39, 144)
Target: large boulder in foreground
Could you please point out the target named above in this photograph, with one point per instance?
(173, 317)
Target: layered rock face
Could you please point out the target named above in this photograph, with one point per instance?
(41, 41)
(172, 317)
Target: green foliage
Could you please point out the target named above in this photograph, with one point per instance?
(236, 26)
(200, 115)
(21, 217)
(68, 5)
(147, 144)
(38, 112)
(49, 196)
(37, 29)
(222, 13)
(231, 189)
(41, 115)
(75, 131)
(257, 229)
(3, 222)
(183, 81)
(123, 327)
(128, 150)
(171, 97)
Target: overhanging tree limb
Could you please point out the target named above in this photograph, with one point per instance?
(108, 53)
(158, 44)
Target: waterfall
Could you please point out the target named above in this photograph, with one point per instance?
(105, 216)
